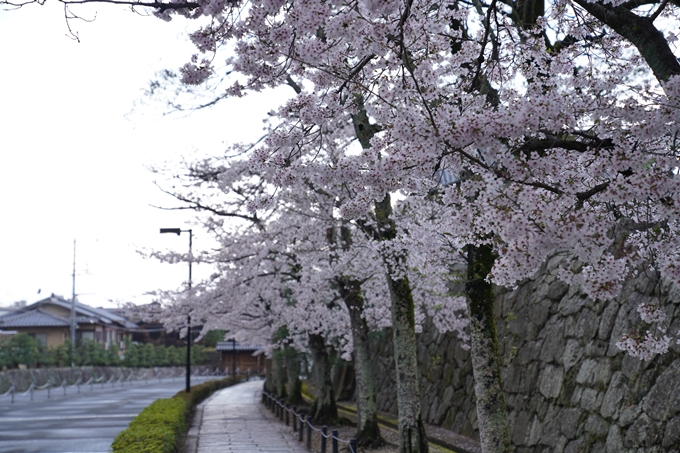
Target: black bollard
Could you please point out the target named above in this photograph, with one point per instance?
(301, 437)
(334, 441)
(309, 435)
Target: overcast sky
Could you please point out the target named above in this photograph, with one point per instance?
(75, 151)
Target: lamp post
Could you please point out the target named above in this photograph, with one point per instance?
(233, 361)
(177, 231)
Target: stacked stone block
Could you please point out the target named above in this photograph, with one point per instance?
(568, 387)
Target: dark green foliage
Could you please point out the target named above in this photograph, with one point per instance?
(90, 353)
(45, 357)
(131, 359)
(147, 355)
(19, 349)
(161, 356)
(211, 338)
(174, 356)
(22, 349)
(113, 356)
(63, 354)
(198, 355)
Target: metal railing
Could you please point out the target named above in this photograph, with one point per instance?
(140, 375)
(302, 423)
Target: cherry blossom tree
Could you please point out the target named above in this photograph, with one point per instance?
(557, 121)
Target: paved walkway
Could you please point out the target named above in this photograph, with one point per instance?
(234, 421)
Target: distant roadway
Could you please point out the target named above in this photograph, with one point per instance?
(86, 422)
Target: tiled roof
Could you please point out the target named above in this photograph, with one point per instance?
(228, 346)
(32, 318)
(87, 313)
(35, 315)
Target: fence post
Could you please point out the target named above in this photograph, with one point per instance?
(287, 414)
(324, 431)
(63, 384)
(309, 435)
(353, 445)
(294, 418)
(334, 441)
(49, 386)
(301, 435)
(31, 392)
(11, 393)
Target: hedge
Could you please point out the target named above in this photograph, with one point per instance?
(161, 425)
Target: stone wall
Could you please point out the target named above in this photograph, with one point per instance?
(568, 388)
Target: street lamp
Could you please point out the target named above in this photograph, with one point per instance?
(177, 231)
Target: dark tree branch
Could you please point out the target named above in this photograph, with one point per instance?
(641, 32)
(161, 6)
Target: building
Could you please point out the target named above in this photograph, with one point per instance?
(49, 322)
(241, 357)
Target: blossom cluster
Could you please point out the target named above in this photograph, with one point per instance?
(558, 136)
(646, 347)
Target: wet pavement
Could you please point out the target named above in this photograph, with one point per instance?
(86, 422)
(234, 421)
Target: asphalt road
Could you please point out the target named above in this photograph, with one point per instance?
(86, 422)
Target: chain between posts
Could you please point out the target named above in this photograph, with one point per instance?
(279, 408)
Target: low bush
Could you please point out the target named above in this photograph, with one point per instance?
(155, 430)
(160, 427)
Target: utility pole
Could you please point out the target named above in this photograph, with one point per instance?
(73, 307)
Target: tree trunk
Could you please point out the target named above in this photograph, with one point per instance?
(268, 375)
(279, 374)
(368, 431)
(293, 385)
(491, 412)
(413, 438)
(411, 429)
(324, 410)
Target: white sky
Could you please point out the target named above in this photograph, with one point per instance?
(73, 164)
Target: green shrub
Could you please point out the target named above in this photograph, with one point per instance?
(158, 428)
(19, 349)
(142, 439)
(155, 430)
